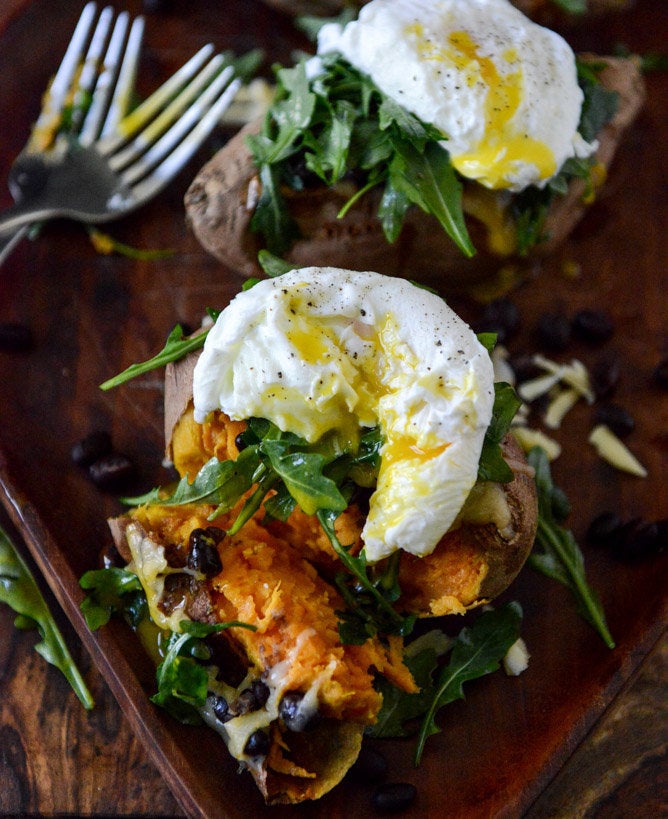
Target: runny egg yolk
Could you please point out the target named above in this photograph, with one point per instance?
(493, 159)
(323, 351)
(502, 90)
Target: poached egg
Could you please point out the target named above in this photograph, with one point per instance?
(501, 88)
(324, 350)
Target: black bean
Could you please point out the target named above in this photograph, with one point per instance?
(215, 532)
(370, 766)
(156, 6)
(640, 540)
(290, 711)
(553, 331)
(502, 317)
(616, 418)
(660, 374)
(94, 446)
(604, 374)
(221, 708)
(203, 553)
(593, 325)
(112, 473)
(257, 744)
(260, 691)
(605, 529)
(393, 797)
(240, 442)
(251, 698)
(524, 367)
(15, 337)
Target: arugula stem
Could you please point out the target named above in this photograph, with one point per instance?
(252, 504)
(165, 356)
(357, 196)
(593, 613)
(351, 565)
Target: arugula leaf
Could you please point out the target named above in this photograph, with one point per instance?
(292, 113)
(599, 105)
(556, 553)
(112, 591)
(339, 123)
(478, 651)
(302, 474)
(369, 602)
(218, 482)
(19, 590)
(176, 347)
(273, 265)
(572, 6)
(400, 708)
(271, 217)
(182, 679)
(428, 179)
(492, 465)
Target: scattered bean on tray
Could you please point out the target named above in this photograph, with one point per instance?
(393, 797)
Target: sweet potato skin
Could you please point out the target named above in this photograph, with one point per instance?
(220, 202)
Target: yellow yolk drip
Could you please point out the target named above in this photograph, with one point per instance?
(492, 161)
(404, 449)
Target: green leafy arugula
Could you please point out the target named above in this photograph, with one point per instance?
(176, 347)
(19, 590)
(110, 591)
(556, 553)
(182, 677)
(340, 123)
(320, 478)
(477, 651)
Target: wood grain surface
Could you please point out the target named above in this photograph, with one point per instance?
(582, 733)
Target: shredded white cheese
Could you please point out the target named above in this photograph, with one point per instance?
(614, 452)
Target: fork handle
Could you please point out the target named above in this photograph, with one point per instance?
(10, 241)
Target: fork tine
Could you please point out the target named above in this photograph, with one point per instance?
(87, 77)
(104, 85)
(157, 150)
(161, 175)
(170, 115)
(145, 112)
(56, 95)
(120, 101)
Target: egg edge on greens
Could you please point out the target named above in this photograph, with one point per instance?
(379, 339)
(483, 73)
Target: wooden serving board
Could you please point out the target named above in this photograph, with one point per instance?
(92, 315)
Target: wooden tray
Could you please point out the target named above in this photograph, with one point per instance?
(92, 315)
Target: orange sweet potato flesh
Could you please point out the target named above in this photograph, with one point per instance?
(220, 201)
(279, 578)
(471, 565)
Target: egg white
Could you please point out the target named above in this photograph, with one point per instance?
(324, 350)
(502, 89)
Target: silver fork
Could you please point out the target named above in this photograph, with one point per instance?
(108, 162)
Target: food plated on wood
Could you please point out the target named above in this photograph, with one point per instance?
(482, 141)
(124, 310)
(342, 474)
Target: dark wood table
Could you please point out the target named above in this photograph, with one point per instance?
(591, 723)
